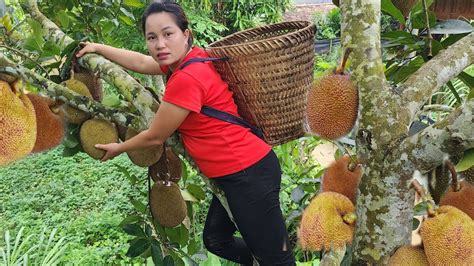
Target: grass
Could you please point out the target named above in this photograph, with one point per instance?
(83, 198)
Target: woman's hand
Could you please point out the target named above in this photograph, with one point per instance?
(111, 150)
(87, 47)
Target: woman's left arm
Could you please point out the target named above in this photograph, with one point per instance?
(167, 119)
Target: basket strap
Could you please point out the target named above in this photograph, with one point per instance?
(224, 116)
(202, 59)
(221, 115)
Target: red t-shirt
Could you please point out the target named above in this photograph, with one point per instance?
(218, 147)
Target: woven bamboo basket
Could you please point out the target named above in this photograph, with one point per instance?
(270, 70)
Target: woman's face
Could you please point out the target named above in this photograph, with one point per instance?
(166, 43)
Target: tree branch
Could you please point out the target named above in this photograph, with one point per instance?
(419, 87)
(428, 148)
(59, 92)
(133, 91)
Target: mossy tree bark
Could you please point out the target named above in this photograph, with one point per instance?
(385, 201)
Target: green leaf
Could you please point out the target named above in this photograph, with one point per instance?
(467, 79)
(196, 191)
(31, 44)
(137, 247)
(416, 223)
(418, 19)
(37, 31)
(470, 95)
(68, 152)
(134, 230)
(168, 261)
(63, 18)
(183, 235)
(467, 161)
(70, 141)
(454, 92)
(134, 3)
(297, 194)
(139, 206)
(187, 196)
(126, 20)
(156, 253)
(130, 219)
(389, 8)
(50, 48)
(111, 100)
(420, 208)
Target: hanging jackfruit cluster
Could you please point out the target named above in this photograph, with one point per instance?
(447, 233)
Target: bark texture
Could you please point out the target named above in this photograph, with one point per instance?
(385, 201)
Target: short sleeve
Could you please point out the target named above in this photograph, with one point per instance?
(185, 91)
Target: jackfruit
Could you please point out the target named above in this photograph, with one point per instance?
(72, 114)
(448, 237)
(463, 198)
(143, 157)
(469, 175)
(327, 223)
(92, 82)
(17, 124)
(332, 106)
(408, 256)
(50, 126)
(167, 205)
(168, 168)
(339, 178)
(97, 131)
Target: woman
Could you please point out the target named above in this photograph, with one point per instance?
(243, 165)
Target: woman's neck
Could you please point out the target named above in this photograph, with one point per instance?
(174, 66)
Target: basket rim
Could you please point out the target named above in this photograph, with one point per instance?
(309, 25)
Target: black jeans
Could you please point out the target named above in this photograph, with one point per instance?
(253, 197)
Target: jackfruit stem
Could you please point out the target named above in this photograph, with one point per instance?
(424, 196)
(342, 66)
(454, 175)
(349, 218)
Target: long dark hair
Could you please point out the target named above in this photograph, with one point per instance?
(173, 8)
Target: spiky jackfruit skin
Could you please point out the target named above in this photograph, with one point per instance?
(338, 178)
(97, 131)
(170, 164)
(17, 124)
(72, 114)
(469, 175)
(92, 82)
(408, 256)
(448, 237)
(50, 126)
(332, 106)
(167, 205)
(143, 157)
(463, 199)
(322, 225)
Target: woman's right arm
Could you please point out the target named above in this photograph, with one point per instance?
(130, 60)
